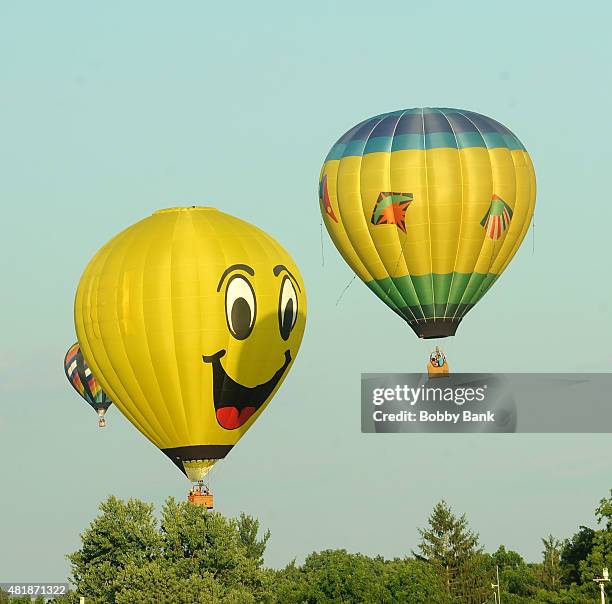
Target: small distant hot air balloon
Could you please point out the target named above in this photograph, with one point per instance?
(85, 383)
(192, 319)
(428, 207)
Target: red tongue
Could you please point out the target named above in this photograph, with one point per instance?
(230, 418)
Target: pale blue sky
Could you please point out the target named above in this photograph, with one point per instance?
(109, 111)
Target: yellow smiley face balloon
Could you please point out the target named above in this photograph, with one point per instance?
(191, 319)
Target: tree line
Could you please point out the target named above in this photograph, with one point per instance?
(191, 556)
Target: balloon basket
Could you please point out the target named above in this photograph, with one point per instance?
(203, 500)
(201, 495)
(436, 372)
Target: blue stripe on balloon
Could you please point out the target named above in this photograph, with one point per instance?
(403, 130)
(434, 140)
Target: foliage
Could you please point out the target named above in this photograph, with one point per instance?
(573, 552)
(190, 555)
(338, 576)
(600, 555)
(413, 581)
(248, 529)
(453, 550)
(551, 567)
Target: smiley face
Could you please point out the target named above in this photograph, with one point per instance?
(234, 402)
(192, 318)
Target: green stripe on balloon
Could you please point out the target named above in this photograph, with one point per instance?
(416, 292)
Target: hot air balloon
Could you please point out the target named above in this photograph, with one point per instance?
(428, 207)
(83, 381)
(192, 319)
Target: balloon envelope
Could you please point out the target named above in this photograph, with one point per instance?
(192, 319)
(83, 380)
(428, 206)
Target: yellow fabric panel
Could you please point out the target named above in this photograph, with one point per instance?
(336, 230)
(452, 191)
(354, 222)
(502, 183)
(443, 200)
(197, 470)
(476, 190)
(524, 207)
(147, 309)
(380, 173)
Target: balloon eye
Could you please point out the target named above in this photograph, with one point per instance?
(240, 307)
(287, 308)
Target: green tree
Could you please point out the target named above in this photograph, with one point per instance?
(600, 555)
(191, 555)
(453, 550)
(573, 552)
(573, 595)
(410, 581)
(290, 585)
(199, 542)
(551, 567)
(516, 578)
(506, 558)
(161, 582)
(123, 533)
(337, 576)
(248, 530)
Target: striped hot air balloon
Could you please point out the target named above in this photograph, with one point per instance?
(84, 382)
(403, 196)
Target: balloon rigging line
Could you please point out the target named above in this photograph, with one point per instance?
(345, 289)
(322, 254)
(392, 284)
(480, 290)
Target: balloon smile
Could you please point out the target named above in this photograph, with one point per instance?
(235, 403)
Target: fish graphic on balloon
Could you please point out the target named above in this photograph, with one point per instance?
(324, 199)
(391, 208)
(497, 219)
(207, 319)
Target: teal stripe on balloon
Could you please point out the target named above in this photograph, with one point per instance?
(434, 140)
(378, 144)
(440, 140)
(336, 152)
(354, 148)
(401, 142)
(513, 143)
